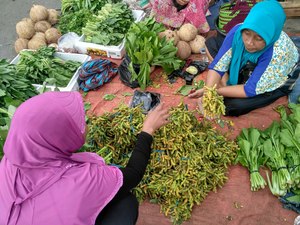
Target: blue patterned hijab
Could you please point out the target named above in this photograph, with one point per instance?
(267, 19)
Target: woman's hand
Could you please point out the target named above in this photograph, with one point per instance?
(182, 2)
(196, 94)
(155, 119)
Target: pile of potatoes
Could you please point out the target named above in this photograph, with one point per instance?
(37, 30)
(186, 39)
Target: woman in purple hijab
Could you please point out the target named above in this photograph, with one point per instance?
(44, 181)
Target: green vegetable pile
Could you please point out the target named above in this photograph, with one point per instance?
(110, 25)
(14, 89)
(146, 49)
(189, 159)
(70, 6)
(278, 148)
(74, 21)
(42, 66)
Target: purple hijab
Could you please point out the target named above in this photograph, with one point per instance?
(42, 179)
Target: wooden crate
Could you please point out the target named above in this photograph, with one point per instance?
(291, 7)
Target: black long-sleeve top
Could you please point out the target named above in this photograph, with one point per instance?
(136, 166)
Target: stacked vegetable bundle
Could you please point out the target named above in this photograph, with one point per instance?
(189, 159)
(277, 147)
(146, 49)
(110, 25)
(14, 89)
(76, 13)
(42, 66)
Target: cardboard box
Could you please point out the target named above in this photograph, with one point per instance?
(115, 52)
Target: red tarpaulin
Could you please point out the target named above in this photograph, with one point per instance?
(235, 203)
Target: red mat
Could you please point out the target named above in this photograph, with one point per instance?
(235, 203)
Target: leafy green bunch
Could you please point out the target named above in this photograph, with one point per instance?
(70, 6)
(110, 25)
(146, 49)
(278, 148)
(42, 66)
(14, 90)
(74, 21)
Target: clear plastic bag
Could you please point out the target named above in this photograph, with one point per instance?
(66, 43)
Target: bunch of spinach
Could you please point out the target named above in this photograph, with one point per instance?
(14, 90)
(69, 6)
(279, 150)
(250, 155)
(74, 21)
(38, 66)
(146, 49)
(110, 25)
(276, 153)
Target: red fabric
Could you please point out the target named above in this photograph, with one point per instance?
(235, 203)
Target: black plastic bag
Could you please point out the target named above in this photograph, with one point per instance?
(147, 100)
(125, 75)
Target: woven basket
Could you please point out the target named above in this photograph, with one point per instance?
(233, 13)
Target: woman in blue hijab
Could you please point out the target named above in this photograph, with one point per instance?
(257, 62)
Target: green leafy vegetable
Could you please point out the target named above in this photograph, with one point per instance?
(109, 97)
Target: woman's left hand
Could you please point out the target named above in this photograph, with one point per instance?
(182, 2)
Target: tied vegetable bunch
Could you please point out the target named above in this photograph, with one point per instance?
(146, 49)
(277, 147)
(276, 153)
(282, 146)
(250, 155)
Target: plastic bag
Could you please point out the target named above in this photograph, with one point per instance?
(147, 100)
(66, 43)
(125, 75)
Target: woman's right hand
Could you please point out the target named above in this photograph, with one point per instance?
(155, 119)
(196, 94)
